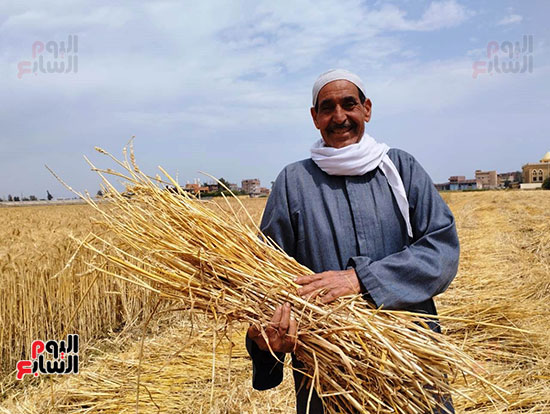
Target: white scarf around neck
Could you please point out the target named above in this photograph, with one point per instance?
(360, 158)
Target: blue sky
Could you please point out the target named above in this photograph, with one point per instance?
(225, 87)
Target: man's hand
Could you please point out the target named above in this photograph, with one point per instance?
(281, 332)
(329, 285)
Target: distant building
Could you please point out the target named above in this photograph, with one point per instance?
(195, 188)
(251, 186)
(534, 174)
(459, 182)
(509, 179)
(488, 179)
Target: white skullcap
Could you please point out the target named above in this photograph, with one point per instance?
(336, 74)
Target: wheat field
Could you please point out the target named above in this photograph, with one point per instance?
(503, 279)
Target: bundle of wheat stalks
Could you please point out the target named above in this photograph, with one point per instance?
(357, 357)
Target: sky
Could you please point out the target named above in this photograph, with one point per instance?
(225, 87)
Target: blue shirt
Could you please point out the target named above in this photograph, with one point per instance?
(335, 222)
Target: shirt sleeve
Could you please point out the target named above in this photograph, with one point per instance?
(267, 372)
(277, 221)
(427, 266)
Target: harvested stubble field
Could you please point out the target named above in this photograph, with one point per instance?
(504, 279)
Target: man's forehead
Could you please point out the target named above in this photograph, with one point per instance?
(338, 89)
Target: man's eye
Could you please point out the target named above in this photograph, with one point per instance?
(350, 105)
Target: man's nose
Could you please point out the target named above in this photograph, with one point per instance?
(338, 115)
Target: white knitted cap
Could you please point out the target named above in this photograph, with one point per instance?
(332, 75)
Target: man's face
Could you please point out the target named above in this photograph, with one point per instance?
(340, 116)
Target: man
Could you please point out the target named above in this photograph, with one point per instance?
(365, 218)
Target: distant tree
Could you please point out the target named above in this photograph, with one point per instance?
(99, 193)
(16, 198)
(49, 195)
(223, 183)
(32, 198)
(546, 184)
(10, 198)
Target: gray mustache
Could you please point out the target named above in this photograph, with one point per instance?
(335, 128)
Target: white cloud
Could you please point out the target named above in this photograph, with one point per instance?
(111, 16)
(441, 15)
(511, 19)
(438, 15)
(262, 40)
(194, 73)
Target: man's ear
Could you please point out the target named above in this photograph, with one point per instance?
(314, 116)
(368, 109)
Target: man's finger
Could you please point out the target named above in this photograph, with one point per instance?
(312, 287)
(304, 280)
(285, 319)
(276, 319)
(292, 329)
(335, 294)
(272, 329)
(329, 297)
(314, 294)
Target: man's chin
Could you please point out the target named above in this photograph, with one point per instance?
(341, 140)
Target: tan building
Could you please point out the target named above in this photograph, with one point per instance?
(509, 179)
(251, 186)
(535, 174)
(488, 179)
